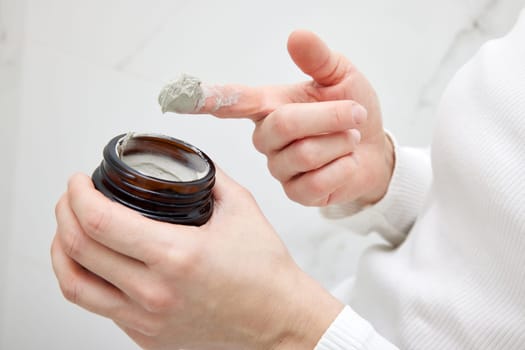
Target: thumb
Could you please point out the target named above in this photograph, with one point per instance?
(316, 59)
(231, 196)
(225, 187)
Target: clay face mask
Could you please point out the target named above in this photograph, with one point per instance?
(184, 95)
(187, 94)
(161, 167)
(166, 168)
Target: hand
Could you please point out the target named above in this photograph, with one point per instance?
(229, 284)
(324, 139)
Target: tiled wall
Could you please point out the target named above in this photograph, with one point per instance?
(92, 69)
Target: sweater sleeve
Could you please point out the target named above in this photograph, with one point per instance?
(393, 216)
(351, 332)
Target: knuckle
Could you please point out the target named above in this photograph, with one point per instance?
(340, 114)
(349, 140)
(71, 181)
(272, 166)
(70, 290)
(275, 168)
(258, 140)
(281, 122)
(52, 250)
(182, 262)
(73, 243)
(293, 191)
(60, 204)
(97, 220)
(155, 299)
(72, 184)
(316, 186)
(306, 154)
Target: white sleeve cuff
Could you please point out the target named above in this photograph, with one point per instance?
(395, 213)
(349, 331)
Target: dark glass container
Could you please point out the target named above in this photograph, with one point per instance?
(159, 176)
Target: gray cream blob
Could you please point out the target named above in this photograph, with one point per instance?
(184, 95)
(162, 167)
(188, 95)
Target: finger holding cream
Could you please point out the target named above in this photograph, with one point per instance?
(188, 95)
(184, 95)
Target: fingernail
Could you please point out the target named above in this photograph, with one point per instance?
(359, 113)
(356, 135)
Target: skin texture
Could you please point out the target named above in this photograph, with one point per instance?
(231, 283)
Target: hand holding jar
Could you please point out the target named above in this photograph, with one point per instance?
(229, 283)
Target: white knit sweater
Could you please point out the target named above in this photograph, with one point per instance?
(453, 275)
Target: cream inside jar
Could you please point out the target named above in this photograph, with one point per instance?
(188, 167)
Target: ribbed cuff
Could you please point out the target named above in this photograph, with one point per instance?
(406, 194)
(395, 213)
(349, 331)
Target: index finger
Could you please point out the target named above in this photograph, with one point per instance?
(189, 95)
(117, 227)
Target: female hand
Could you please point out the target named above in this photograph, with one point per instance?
(229, 284)
(324, 138)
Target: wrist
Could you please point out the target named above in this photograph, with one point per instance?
(390, 162)
(312, 310)
(385, 175)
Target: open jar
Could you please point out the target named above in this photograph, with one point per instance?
(159, 176)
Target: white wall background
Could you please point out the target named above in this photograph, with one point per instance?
(75, 73)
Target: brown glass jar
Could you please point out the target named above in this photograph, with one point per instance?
(159, 176)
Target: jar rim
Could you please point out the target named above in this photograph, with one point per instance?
(115, 151)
